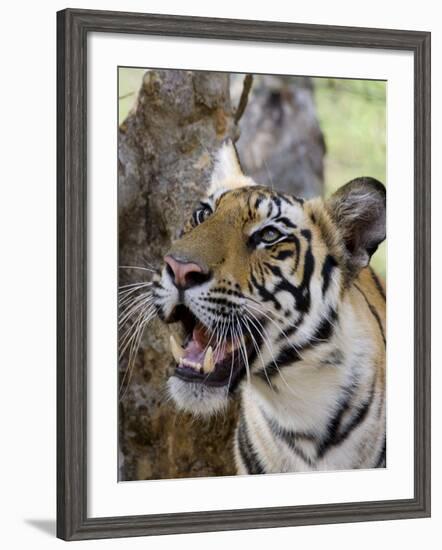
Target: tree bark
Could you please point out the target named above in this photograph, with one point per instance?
(166, 146)
(281, 143)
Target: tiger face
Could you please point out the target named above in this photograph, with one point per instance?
(255, 277)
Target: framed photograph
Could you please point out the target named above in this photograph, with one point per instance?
(243, 274)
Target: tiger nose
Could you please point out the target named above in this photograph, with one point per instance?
(186, 274)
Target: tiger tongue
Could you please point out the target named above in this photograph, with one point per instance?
(201, 339)
(197, 345)
(201, 335)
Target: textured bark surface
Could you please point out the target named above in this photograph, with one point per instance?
(165, 155)
(281, 142)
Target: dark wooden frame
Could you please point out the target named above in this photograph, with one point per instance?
(73, 27)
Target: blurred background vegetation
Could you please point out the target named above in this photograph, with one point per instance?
(352, 117)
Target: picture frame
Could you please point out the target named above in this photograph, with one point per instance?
(73, 27)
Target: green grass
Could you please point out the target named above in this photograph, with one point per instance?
(352, 116)
(129, 82)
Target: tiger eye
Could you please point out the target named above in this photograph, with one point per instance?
(203, 214)
(270, 234)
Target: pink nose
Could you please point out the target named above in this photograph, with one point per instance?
(185, 274)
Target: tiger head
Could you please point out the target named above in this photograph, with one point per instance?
(256, 275)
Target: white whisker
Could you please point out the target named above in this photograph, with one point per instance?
(270, 350)
(142, 320)
(258, 351)
(137, 267)
(133, 307)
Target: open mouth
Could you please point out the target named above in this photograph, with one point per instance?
(203, 357)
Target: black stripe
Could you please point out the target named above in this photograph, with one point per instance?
(276, 270)
(378, 284)
(248, 454)
(292, 329)
(264, 293)
(249, 208)
(258, 201)
(283, 255)
(291, 438)
(294, 239)
(307, 234)
(329, 264)
(382, 462)
(358, 418)
(261, 272)
(325, 329)
(277, 201)
(334, 359)
(304, 288)
(300, 293)
(298, 200)
(333, 426)
(334, 435)
(322, 333)
(290, 354)
(298, 252)
(285, 221)
(287, 199)
(373, 312)
(287, 356)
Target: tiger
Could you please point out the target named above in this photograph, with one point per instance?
(276, 300)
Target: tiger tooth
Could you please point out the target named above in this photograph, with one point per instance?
(176, 349)
(208, 365)
(230, 346)
(188, 363)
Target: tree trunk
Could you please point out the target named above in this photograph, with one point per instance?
(281, 143)
(165, 155)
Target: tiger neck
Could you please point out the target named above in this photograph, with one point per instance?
(303, 385)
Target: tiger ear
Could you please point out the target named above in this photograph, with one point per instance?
(359, 210)
(227, 172)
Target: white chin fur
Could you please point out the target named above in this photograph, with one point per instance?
(196, 398)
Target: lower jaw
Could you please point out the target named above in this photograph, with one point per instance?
(198, 398)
